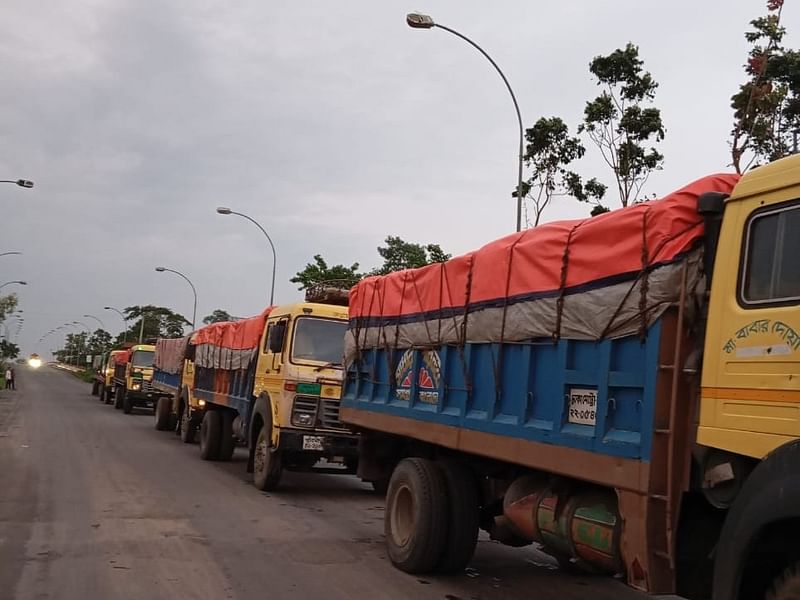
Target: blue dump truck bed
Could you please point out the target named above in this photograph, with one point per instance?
(586, 395)
(167, 382)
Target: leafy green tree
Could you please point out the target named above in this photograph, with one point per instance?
(766, 108)
(8, 350)
(319, 271)
(399, 254)
(100, 341)
(158, 322)
(621, 122)
(218, 316)
(8, 304)
(548, 152)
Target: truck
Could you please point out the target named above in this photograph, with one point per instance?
(104, 376)
(271, 383)
(623, 391)
(173, 374)
(133, 379)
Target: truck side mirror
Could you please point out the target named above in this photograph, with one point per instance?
(276, 335)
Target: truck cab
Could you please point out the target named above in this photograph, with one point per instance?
(133, 379)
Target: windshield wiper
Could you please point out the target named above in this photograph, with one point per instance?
(328, 366)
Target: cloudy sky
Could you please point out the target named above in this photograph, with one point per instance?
(331, 123)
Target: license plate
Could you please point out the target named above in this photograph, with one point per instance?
(312, 442)
(582, 406)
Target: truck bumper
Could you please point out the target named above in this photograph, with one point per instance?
(326, 444)
(145, 398)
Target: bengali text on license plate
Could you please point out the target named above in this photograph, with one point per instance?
(582, 406)
(312, 442)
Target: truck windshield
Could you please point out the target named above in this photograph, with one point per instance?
(318, 340)
(142, 358)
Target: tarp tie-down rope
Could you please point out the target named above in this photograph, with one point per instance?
(562, 286)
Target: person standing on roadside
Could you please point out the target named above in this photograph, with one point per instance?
(10, 378)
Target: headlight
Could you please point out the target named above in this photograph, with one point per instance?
(135, 386)
(303, 419)
(201, 403)
(35, 363)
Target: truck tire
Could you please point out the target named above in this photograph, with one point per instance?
(108, 394)
(127, 403)
(95, 388)
(119, 393)
(162, 413)
(101, 392)
(210, 434)
(463, 518)
(787, 586)
(188, 427)
(416, 517)
(267, 468)
(227, 443)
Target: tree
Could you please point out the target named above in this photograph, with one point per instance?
(319, 271)
(8, 304)
(620, 122)
(100, 341)
(399, 255)
(159, 322)
(548, 152)
(766, 109)
(8, 350)
(218, 316)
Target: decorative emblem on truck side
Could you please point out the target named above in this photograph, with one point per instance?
(427, 378)
(789, 337)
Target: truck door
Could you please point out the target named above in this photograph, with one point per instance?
(751, 380)
(275, 345)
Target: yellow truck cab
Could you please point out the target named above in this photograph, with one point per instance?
(133, 379)
(278, 393)
(106, 374)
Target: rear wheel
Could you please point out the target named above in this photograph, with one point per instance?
(463, 518)
(210, 434)
(162, 413)
(127, 403)
(188, 427)
(119, 392)
(95, 388)
(226, 441)
(416, 517)
(108, 393)
(267, 467)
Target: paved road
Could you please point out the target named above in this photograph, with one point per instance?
(97, 504)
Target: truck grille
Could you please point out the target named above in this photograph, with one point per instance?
(326, 412)
(147, 386)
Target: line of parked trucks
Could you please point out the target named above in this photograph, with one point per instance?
(623, 391)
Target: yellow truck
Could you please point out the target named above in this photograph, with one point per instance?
(133, 379)
(623, 391)
(272, 383)
(103, 384)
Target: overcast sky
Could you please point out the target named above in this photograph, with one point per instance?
(331, 123)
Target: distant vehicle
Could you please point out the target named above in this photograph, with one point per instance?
(34, 361)
(133, 378)
(621, 390)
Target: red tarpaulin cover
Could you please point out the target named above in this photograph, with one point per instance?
(531, 262)
(234, 335)
(122, 357)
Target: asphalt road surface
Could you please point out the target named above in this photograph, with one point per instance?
(98, 504)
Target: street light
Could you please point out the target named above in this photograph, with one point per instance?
(98, 320)
(189, 281)
(20, 182)
(124, 322)
(9, 253)
(420, 21)
(224, 210)
(11, 282)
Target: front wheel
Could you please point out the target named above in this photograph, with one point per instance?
(267, 468)
(95, 388)
(188, 428)
(119, 394)
(210, 434)
(127, 403)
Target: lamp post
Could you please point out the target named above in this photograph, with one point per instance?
(12, 282)
(420, 21)
(124, 322)
(189, 281)
(26, 183)
(96, 319)
(9, 253)
(224, 210)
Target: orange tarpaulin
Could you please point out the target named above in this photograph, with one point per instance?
(234, 335)
(546, 259)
